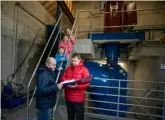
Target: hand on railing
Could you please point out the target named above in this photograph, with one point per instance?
(59, 85)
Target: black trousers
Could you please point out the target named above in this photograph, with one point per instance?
(75, 109)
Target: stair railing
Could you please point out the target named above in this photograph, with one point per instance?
(28, 105)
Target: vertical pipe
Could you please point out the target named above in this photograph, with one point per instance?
(27, 108)
(91, 27)
(13, 44)
(57, 17)
(61, 28)
(71, 7)
(123, 17)
(118, 100)
(153, 34)
(15, 39)
(164, 103)
(149, 35)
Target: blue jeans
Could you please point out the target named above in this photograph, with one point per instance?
(45, 114)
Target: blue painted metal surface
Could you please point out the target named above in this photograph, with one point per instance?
(104, 72)
(112, 52)
(9, 98)
(118, 36)
(58, 12)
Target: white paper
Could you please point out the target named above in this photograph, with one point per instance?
(68, 81)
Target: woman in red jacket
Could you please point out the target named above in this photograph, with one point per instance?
(75, 94)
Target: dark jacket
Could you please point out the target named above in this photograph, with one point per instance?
(46, 88)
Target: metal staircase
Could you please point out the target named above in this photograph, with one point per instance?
(59, 111)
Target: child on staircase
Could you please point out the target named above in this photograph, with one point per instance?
(68, 42)
(61, 57)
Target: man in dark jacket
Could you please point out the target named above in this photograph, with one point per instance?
(46, 89)
(75, 94)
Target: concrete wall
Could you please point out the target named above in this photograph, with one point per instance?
(85, 17)
(145, 69)
(144, 17)
(151, 17)
(28, 27)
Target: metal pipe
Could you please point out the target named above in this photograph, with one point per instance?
(48, 56)
(38, 65)
(15, 40)
(149, 35)
(20, 6)
(76, 31)
(118, 101)
(96, 78)
(61, 28)
(90, 28)
(141, 100)
(60, 71)
(44, 50)
(14, 36)
(32, 96)
(153, 34)
(122, 18)
(101, 31)
(58, 96)
(61, 65)
(126, 88)
(124, 112)
(149, 9)
(119, 26)
(77, 15)
(152, 107)
(164, 103)
(156, 99)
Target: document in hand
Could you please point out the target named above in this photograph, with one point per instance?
(83, 80)
(68, 82)
(73, 82)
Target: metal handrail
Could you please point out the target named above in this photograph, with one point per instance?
(127, 104)
(153, 107)
(112, 95)
(94, 28)
(121, 111)
(149, 9)
(119, 26)
(119, 88)
(48, 56)
(58, 95)
(27, 117)
(123, 88)
(92, 14)
(97, 78)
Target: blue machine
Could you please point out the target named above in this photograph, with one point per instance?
(9, 99)
(103, 72)
(110, 71)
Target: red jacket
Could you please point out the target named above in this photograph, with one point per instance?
(76, 72)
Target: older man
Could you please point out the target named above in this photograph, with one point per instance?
(46, 89)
